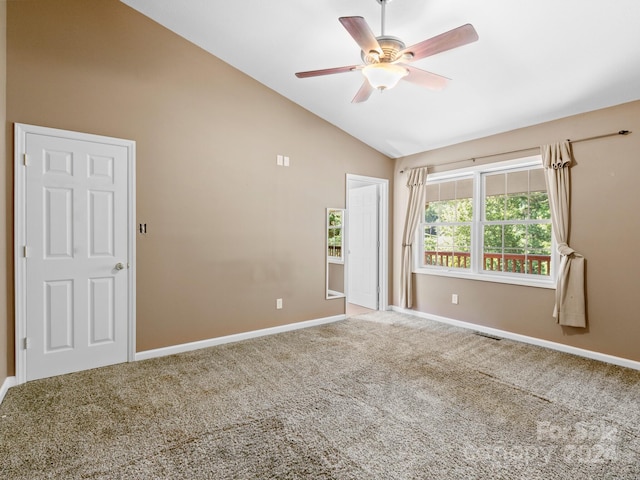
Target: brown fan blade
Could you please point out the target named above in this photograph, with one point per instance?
(445, 41)
(361, 33)
(425, 79)
(364, 93)
(327, 71)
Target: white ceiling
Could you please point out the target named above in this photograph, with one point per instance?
(536, 60)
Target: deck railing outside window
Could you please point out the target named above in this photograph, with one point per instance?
(494, 262)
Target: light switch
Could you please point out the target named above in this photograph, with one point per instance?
(279, 160)
(286, 161)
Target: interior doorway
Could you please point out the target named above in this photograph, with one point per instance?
(367, 236)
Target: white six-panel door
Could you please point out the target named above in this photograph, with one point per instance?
(76, 234)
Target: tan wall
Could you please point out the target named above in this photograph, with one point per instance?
(5, 203)
(229, 231)
(605, 228)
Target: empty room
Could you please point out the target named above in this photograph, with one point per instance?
(345, 239)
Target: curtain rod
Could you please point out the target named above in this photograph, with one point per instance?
(473, 159)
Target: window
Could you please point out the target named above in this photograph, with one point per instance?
(491, 223)
(334, 235)
(516, 225)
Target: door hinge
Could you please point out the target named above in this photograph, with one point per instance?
(26, 343)
(25, 252)
(25, 159)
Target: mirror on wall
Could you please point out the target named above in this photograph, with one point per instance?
(335, 252)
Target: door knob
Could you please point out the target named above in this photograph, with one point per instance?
(119, 266)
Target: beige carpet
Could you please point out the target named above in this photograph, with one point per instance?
(380, 396)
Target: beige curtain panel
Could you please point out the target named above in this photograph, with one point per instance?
(570, 295)
(415, 209)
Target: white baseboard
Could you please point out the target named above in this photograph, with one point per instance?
(6, 385)
(603, 357)
(187, 347)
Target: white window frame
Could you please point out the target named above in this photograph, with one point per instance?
(476, 272)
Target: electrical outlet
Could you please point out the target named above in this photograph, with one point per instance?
(454, 298)
(278, 304)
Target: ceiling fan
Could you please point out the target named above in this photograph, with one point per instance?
(385, 58)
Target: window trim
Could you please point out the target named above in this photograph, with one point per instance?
(476, 272)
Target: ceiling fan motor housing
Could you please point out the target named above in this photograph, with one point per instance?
(391, 47)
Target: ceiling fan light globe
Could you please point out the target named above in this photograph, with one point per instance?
(384, 75)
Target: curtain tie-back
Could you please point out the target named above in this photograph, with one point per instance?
(407, 244)
(565, 250)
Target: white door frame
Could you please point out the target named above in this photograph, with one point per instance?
(19, 213)
(383, 234)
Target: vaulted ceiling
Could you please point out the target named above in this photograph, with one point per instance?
(535, 60)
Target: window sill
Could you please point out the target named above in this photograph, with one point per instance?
(485, 277)
(336, 261)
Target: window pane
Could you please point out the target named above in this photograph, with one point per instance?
(515, 239)
(518, 182)
(447, 246)
(433, 192)
(517, 206)
(462, 238)
(494, 207)
(515, 243)
(447, 211)
(536, 180)
(430, 238)
(517, 248)
(445, 238)
(493, 237)
(492, 259)
(465, 210)
(449, 202)
(334, 242)
(539, 264)
(448, 190)
(495, 184)
(432, 244)
(539, 206)
(431, 212)
(335, 236)
(540, 238)
(335, 217)
(462, 247)
(464, 188)
(539, 249)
